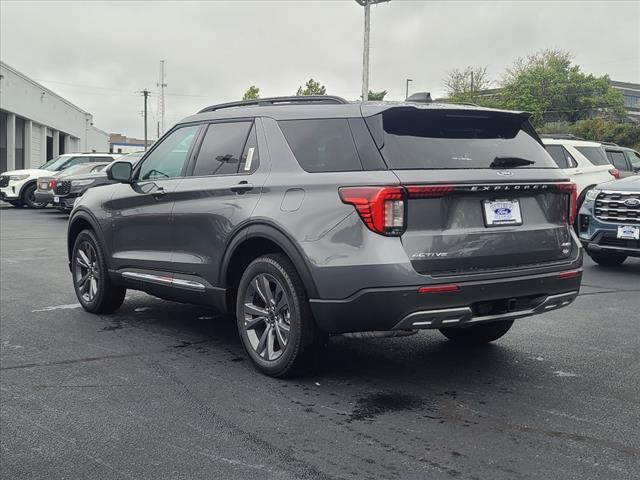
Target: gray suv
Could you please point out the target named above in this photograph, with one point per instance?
(308, 216)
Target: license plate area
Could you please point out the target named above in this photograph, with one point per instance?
(56, 199)
(628, 232)
(501, 212)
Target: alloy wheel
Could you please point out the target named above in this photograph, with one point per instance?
(267, 316)
(86, 271)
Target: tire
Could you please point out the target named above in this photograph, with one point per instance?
(29, 199)
(96, 293)
(16, 203)
(477, 334)
(607, 259)
(272, 280)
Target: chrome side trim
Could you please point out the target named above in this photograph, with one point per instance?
(164, 280)
(464, 315)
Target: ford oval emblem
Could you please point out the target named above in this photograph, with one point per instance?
(631, 202)
(502, 211)
(505, 173)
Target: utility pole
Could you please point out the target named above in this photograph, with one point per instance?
(161, 105)
(145, 92)
(407, 89)
(365, 54)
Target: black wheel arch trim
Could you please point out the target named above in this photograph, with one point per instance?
(91, 220)
(25, 186)
(269, 231)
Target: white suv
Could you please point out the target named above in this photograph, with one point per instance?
(18, 187)
(585, 163)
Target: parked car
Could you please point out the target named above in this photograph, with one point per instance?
(305, 216)
(69, 187)
(18, 187)
(45, 185)
(585, 163)
(626, 160)
(609, 221)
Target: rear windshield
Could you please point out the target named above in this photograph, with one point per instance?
(595, 155)
(412, 138)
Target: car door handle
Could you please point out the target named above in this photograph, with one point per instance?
(578, 172)
(159, 193)
(242, 187)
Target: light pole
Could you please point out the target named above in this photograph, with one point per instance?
(365, 55)
(407, 89)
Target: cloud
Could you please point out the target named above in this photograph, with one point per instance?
(99, 55)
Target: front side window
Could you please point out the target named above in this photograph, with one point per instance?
(634, 158)
(322, 145)
(595, 155)
(221, 149)
(169, 156)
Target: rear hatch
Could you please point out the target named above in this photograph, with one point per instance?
(483, 194)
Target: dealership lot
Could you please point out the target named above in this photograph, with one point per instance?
(163, 390)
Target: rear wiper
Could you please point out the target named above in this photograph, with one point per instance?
(501, 162)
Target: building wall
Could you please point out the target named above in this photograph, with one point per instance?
(31, 113)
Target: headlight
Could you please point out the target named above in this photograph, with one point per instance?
(592, 194)
(17, 178)
(81, 183)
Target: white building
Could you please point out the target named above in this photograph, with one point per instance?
(36, 124)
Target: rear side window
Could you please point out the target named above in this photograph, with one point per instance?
(617, 160)
(562, 158)
(414, 138)
(634, 158)
(322, 145)
(595, 155)
(221, 149)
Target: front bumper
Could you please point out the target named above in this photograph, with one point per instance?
(65, 203)
(601, 236)
(10, 193)
(43, 196)
(474, 302)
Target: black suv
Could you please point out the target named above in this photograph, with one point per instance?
(305, 216)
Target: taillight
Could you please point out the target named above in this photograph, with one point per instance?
(443, 288)
(615, 173)
(382, 209)
(429, 191)
(572, 190)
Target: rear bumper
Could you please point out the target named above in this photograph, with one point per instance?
(43, 196)
(474, 302)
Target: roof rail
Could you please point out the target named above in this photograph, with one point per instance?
(262, 102)
(610, 144)
(561, 136)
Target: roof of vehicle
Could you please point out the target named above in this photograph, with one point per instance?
(573, 143)
(90, 154)
(617, 148)
(290, 108)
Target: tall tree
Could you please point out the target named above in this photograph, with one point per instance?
(253, 93)
(553, 89)
(463, 85)
(312, 88)
(379, 96)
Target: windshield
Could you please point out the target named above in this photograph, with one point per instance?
(71, 170)
(411, 138)
(55, 163)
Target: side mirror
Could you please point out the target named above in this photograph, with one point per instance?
(120, 172)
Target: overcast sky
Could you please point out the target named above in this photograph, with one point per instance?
(98, 55)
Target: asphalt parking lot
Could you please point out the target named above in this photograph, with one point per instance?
(161, 390)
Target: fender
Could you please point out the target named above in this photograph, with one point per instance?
(269, 231)
(25, 185)
(90, 219)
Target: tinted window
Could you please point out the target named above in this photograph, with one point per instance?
(76, 161)
(413, 138)
(560, 155)
(102, 159)
(168, 158)
(618, 160)
(595, 155)
(250, 156)
(221, 148)
(634, 158)
(322, 145)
